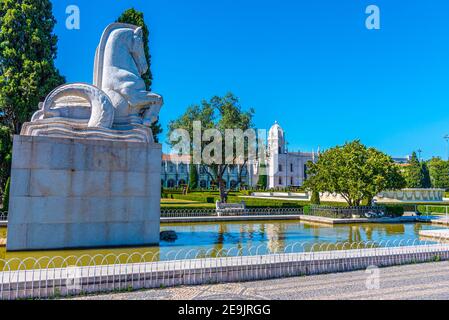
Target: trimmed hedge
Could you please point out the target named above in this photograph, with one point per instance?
(395, 210)
(233, 197)
(432, 209)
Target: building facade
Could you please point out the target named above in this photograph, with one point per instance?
(176, 171)
(283, 168)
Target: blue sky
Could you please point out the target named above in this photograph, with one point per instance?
(311, 65)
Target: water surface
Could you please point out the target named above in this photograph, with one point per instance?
(237, 238)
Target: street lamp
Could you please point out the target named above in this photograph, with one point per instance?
(446, 137)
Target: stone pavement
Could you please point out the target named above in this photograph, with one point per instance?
(419, 281)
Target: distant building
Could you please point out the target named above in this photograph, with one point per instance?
(401, 160)
(176, 169)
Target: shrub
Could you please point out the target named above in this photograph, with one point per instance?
(315, 199)
(6, 196)
(395, 211)
(306, 209)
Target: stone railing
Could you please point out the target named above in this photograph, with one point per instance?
(57, 276)
(224, 208)
(3, 216)
(300, 195)
(186, 213)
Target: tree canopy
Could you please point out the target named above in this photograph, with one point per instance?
(355, 172)
(417, 174)
(5, 156)
(439, 173)
(193, 177)
(27, 53)
(132, 16)
(220, 113)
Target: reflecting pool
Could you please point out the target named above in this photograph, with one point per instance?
(238, 238)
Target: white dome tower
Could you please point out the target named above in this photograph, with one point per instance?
(276, 151)
(276, 139)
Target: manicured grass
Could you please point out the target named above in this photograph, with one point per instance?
(176, 201)
(208, 199)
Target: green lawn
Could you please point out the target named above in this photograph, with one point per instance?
(208, 199)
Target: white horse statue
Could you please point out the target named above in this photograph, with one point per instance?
(116, 106)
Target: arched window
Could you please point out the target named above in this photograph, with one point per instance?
(291, 167)
(233, 184)
(203, 184)
(280, 180)
(291, 180)
(171, 183)
(181, 182)
(305, 172)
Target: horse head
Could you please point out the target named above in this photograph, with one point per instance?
(138, 51)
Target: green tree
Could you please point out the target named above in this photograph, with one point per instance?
(193, 177)
(412, 172)
(315, 198)
(5, 198)
(262, 181)
(355, 172)
(219, 113)
(416, 173)
(134, 17)
(425, 176)
(439, 173)
(5, 156)
(27, 53)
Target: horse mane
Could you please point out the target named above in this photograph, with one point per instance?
(99, 53)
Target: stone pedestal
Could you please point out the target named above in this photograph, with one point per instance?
(73, 193)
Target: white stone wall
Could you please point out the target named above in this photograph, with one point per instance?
(412, 195)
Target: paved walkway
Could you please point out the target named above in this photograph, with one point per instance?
(419, 281)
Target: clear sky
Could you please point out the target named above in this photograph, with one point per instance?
(311, 65)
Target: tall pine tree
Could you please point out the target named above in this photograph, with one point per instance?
(425, 176)
(132, 16)
(27, 53)
(262, 181)
(193, 177)
(417, 173)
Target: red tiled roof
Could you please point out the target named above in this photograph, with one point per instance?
(176, 158)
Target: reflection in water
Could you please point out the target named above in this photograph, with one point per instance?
(2, 236)
(197, 240)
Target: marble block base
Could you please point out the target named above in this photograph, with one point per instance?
(74, 193)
